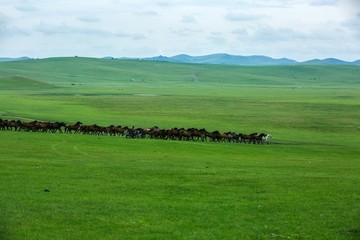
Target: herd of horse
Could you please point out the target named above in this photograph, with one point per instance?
(190, 134)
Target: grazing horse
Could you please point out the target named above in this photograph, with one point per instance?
(258, 138)
(159, 133)
(185, 135)
(247, 138)
(173, 134)
(91, 129)
(75, 127)
(3, 124)
(9, 125)
(214, 136)
(261, 138)
(27, 126)
(266, 138)
(13, 125)
(199, 134)
(119, 130)
(134, 133)
(56, 126)
(190, 134)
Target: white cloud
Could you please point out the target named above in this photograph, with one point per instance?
(242, 16)
(241, 32)
(188, 19)
(265, 33)
(185, 32)
(133, 36)
(26, 7)
(323, 2)
(353, 25)
(147, 13)
(217, 38)
(3, 20)
(88, 18)
(300, 29)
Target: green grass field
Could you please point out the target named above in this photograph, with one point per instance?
(304, 185)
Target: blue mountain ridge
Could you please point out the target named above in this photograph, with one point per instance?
(256, 60)
(226, 59)
(5, 59)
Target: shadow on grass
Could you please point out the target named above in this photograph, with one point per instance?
(353, 234)
(3, 230)
(297, 143)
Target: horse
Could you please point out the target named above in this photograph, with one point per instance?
(13, 125)
(214, 136)
(247, 138)
(266, 137)
(56, 126)
(3, 124)
(261, 138)
(91, 129)
(173, 134)
(75, 127)
(199, 134)
(257, 139)
(185, 135)
(30, 126)
(133, 133)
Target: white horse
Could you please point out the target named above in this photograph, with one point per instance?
(266, 138)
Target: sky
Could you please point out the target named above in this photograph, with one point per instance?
(296, 29)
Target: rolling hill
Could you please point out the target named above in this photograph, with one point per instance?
(225, 59)
(68, 71)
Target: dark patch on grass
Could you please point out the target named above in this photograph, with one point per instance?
(353, 233)
(297, 143)
(19, 82)
(99, 94)
(3, 227)
(345, 97)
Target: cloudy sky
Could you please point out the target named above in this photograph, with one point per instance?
(297, 29)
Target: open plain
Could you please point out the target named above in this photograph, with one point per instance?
(303, 185)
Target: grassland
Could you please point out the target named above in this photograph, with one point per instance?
(302, 186)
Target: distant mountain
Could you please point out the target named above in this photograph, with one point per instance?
(14, 59)
(327, 61)
(257, 60)
(356, 62)
(222, 58)
(227, 59)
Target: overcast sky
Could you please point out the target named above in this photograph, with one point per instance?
(297, 29)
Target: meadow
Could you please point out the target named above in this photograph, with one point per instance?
(304, 185)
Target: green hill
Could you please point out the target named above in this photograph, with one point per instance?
(18, 82)
(67, 71)
(303, 185)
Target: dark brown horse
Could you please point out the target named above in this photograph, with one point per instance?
(75, 127)
(214, 136)
(247, 138)
(3, 124)
(13, 125)
(56, 126)
(199, 134)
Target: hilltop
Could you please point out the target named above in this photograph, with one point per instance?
(256, 60)
(225, 59)
(77, 70)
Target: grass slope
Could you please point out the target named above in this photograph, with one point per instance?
(303, 186)
(103, 187)
(88, 70)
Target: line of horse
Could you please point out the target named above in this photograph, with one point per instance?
(190, 134)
